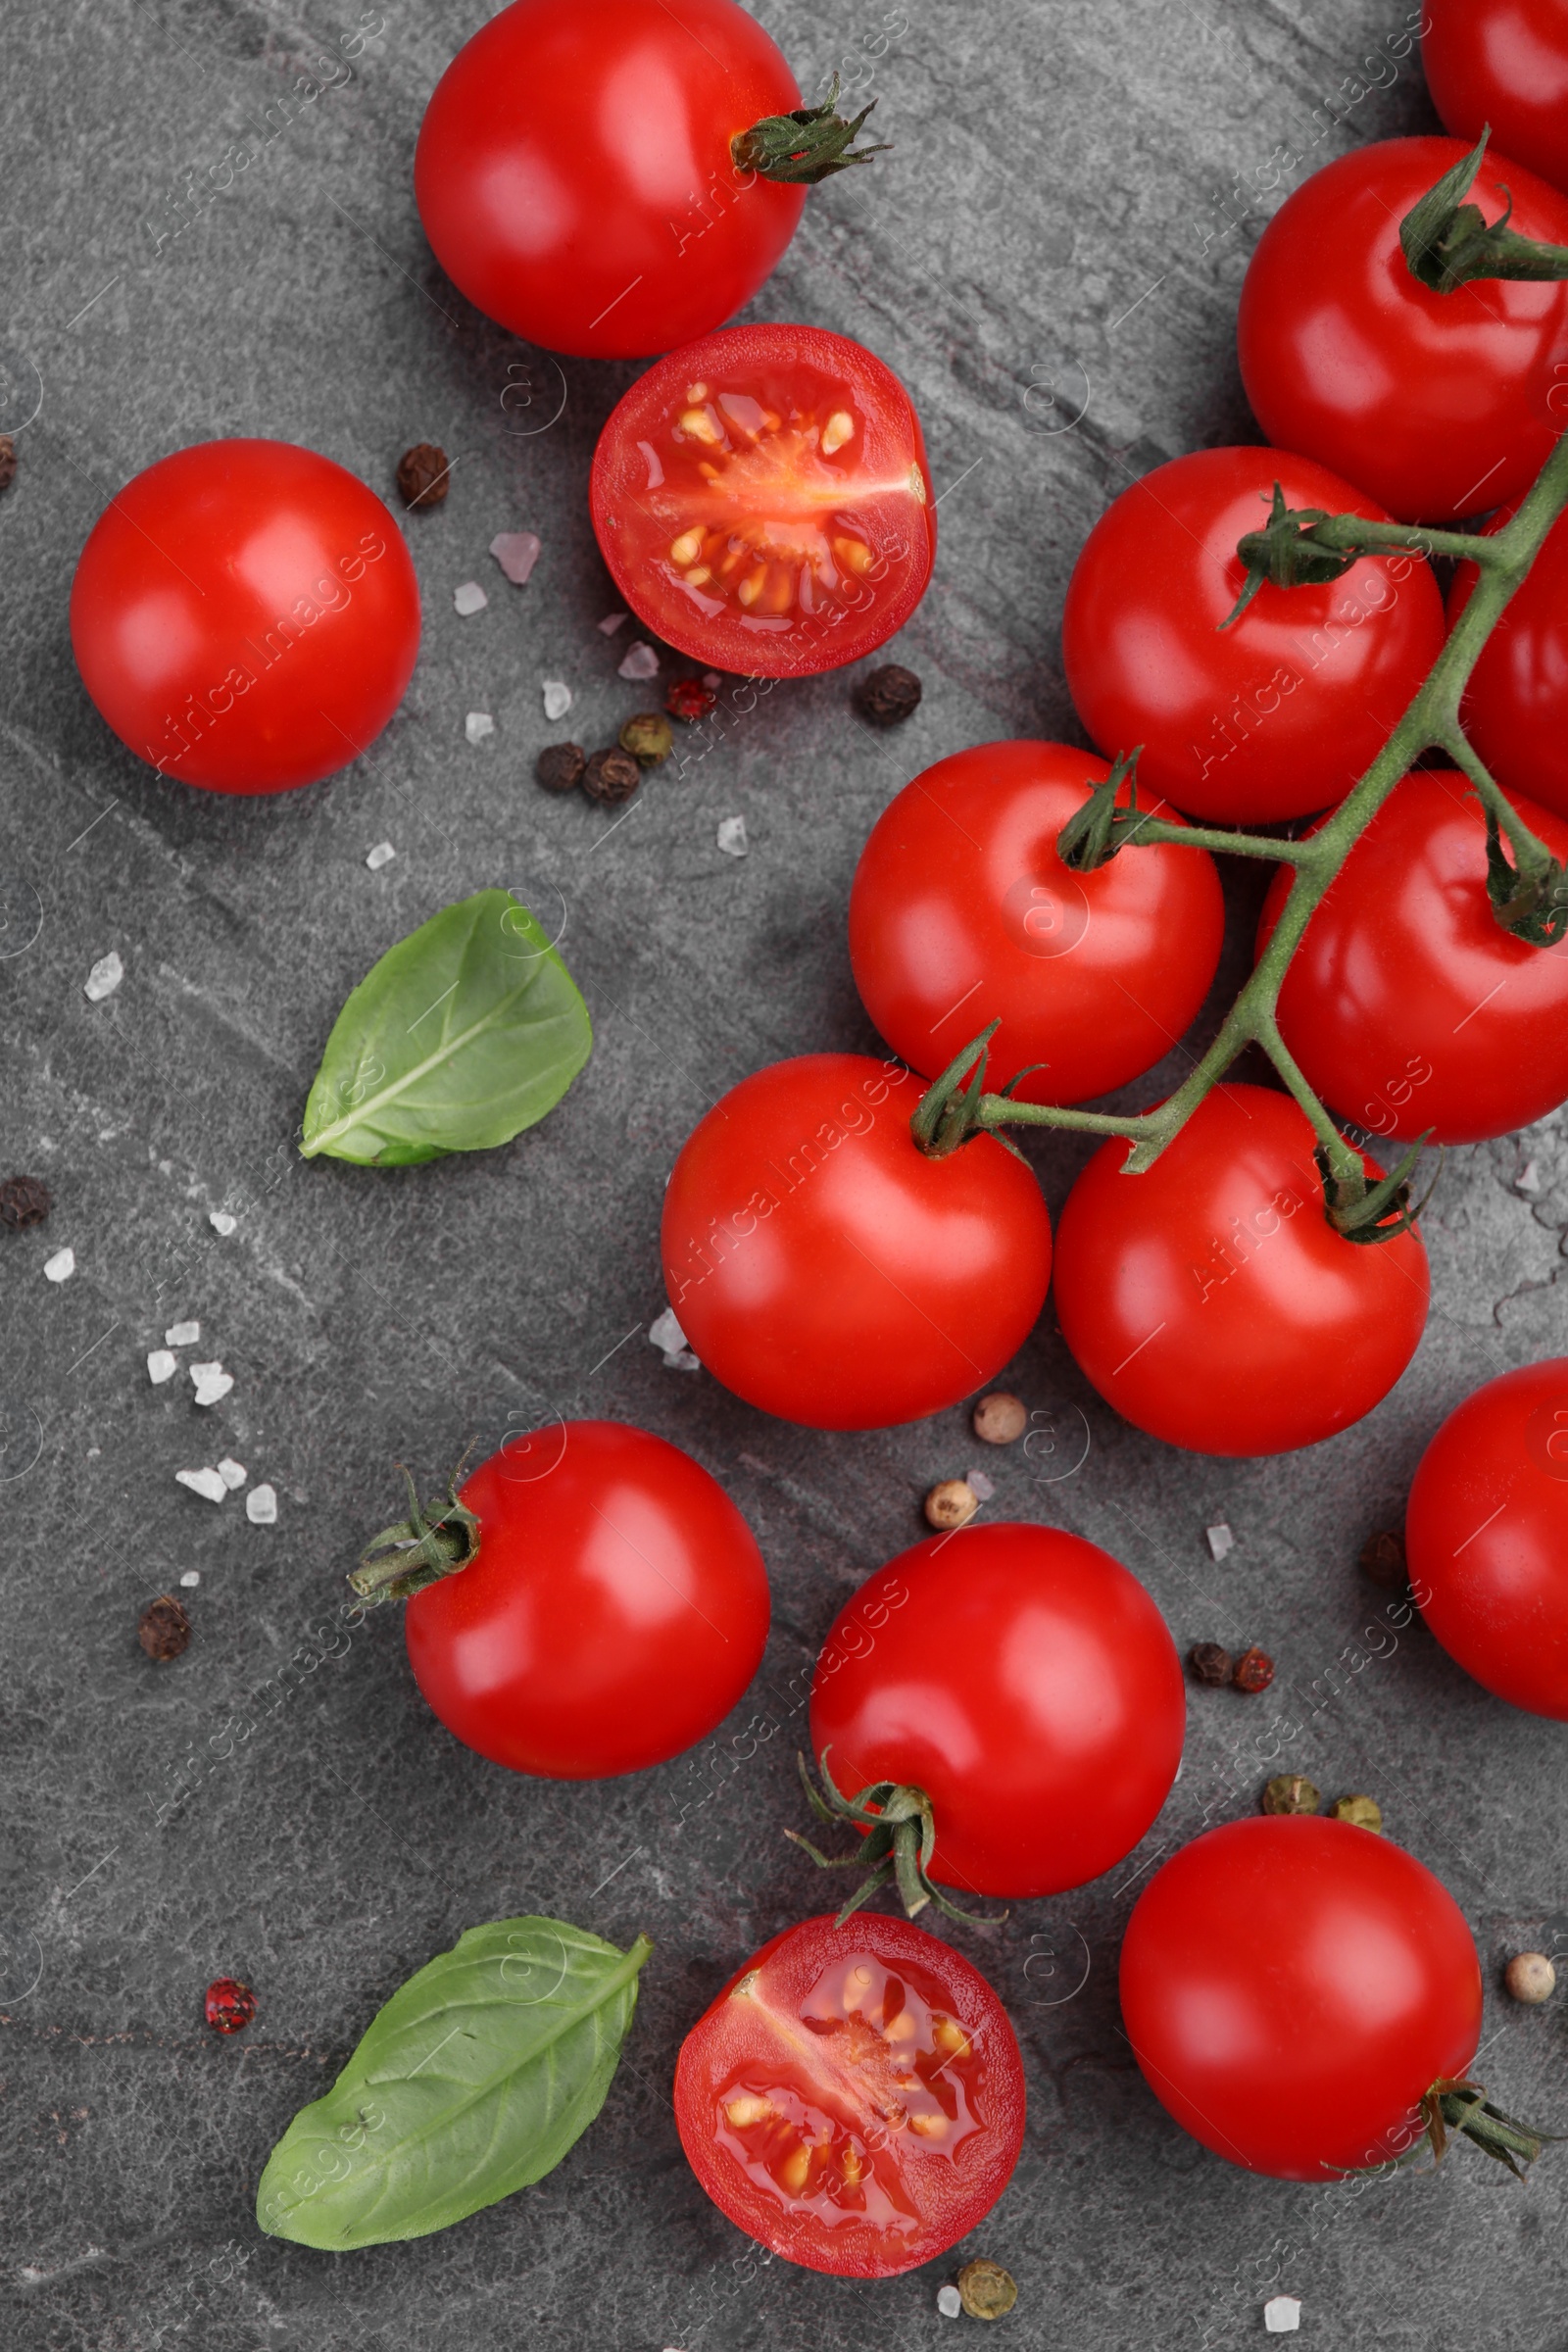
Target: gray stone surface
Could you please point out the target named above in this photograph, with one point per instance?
(1050, 260)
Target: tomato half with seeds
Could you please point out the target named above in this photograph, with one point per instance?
(762, 500)
(1026, 1681)
(1279, 713)
(825, 1269)
(1502, 65)
(1515, 706)
(1406, 1004)
(855, 2096)
(1486, 1536)
(615, 1611)
(1211, 1301)
(962, 913)
(1293, 1987)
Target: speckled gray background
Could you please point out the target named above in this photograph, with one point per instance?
(1050, 260)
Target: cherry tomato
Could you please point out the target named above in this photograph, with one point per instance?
(1515, 707)
(825, 1269)
(1502, 65)
(245, 615)
(1406, 1004)
(1438, 403)
(617, 1610)
(1486, 1536)
(1280, 713)
(961, 910)
(1027, 1682)
(574, 175)
(855, 2096)
(1211, 1301)
(762, 500)
(1293, 1987)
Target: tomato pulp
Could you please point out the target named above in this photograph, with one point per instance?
(1441, 405)
(1514, 706)
(1280, 713)
(617, 1610)
(1211, 1301)
(962, 913)
(1487, 1536)
(1026, 1681)
(1502, 65)
(855, 2097)
(762, 500)
(245, 615)
(826, 1270)
(574, 176)
(1293, 1987)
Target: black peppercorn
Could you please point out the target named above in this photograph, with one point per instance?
(1383, 1559)
(23, 1200)
(888, 696)
(560, 766)
(165, 1629)
(423, 475)
(1209, 1663)
(7, 460)
(612, 776)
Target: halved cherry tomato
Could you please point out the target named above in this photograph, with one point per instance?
(855, 2097)
(961, 912)
(1515, 707)
(763, 500)
(1502, 65)
(1211, 1301)
(825, 1269)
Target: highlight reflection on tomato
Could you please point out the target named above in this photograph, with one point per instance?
(1502, 65)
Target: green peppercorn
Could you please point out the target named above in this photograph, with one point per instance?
(647, 737)
(1290, 1793)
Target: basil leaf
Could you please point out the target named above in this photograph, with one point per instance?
(463, 1034)
(476, 2078)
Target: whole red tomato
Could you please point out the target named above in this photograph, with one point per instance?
(617, 1610)
(961, 912)
(762, 500)
(1406, 1004)
(1211, 1301)
(574, 174)
(1293, 1987)
(245, 615)
(1515, 707)
(853, 2098)
(1440, 403)
(1486, 1536)
(825, 1268)
(1502, 65)
(1027, 1682)
(1276, 714)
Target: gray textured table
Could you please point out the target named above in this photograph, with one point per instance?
(1050, 260)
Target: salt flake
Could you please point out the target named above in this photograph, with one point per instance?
(60, 1267)
(201, 1372)
(665, 1331)
(382, 854)
(611, 622)
(1528, 1179)
(192, 1576)
(639, 660)
(477, 725)
(213, 1390)
(978, 1484)
(233, 1474)
(222, 1222)
(104, 978)
(1282, 2315)
(260, 1506)
(470, 599)
(161, 1367)
(182, 1335)
(517, 552)
(681, 1359)
(557, 697)
(949, 2302)
(1220, 1540)
(732, 836)
(205, 1483)
(711, 680)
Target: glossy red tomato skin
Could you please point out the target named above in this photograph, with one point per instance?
(245, 615)
(1502, 63)
(1439, 404)
(1486, 1536)
(1515, 707)
(616, 1611)
(1406, 1004)
(826, 1270)
(734, 2044)
(1276, 714)
(1025, 1679)
(574, 176)
(1210, 1301)
(962, 913)
(636, 518)
(1292, 1987)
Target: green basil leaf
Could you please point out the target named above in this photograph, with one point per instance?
(463, 1034)
(476, 2078)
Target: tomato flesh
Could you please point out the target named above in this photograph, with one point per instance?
(855, 2096)
(762, 500)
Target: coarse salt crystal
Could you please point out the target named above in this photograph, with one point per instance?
(477, 725)
(201, 1372)
(161, 1367)
(1220, 1540)
(681, 1359)
(60, 1267)
(711, 680)
(382, 854)
(665, 1331)
(1282, 2315)
(222, 1222)
(192, 1576)
(949, 2302)
(612, 621)
(104, 978)
(182, 1335)
(639, 660)
(471, 598)
(732, 836)
(1528, 1179)
(233, 1474)
(978, 1484)
(517, 552)
(557, 697)
(205, 1483)
(260, 1506)
(213, 1390)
